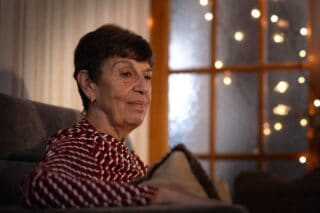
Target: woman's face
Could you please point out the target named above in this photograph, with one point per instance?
(123, 91)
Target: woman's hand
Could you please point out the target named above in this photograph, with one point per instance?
(168, 196)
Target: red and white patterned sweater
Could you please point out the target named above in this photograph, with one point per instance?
(84, 168)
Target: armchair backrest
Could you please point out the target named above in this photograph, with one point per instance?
(25, 127)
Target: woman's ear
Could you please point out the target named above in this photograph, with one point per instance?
(86, 84)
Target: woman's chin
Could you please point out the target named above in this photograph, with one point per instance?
(135, 121)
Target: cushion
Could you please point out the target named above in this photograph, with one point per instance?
(263, 192)
(180, 170)
(223, 190)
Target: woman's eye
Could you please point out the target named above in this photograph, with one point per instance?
(148, 77)
(126, 74)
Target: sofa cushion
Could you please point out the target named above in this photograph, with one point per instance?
(180, 170)
(26, 125)
(265, 192)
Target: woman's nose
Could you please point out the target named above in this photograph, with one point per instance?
(141, 85)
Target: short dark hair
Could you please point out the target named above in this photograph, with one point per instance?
(103, 43)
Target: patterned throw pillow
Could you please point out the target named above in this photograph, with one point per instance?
(180, 170)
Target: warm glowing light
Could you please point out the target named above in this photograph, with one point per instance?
(303, 31)
(274, 18)
(302, 159)
(303, 122)
(150, 22)
(282, 23)
(277, 126)
(278, 37)
(281, 109)
(281, 87)
(208, 16)
(238, 36)
(316, 102)
(227, 80)
(255, 13)
(204, 2)
(301, 80)
(266, 131)
(218, 64)
(302, 53)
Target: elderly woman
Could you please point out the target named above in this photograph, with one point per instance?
(89, 165)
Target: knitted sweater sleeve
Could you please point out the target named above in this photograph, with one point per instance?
(70, 179)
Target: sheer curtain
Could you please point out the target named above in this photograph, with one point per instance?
(37, 40)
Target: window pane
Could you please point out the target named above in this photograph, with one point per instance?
(286, 111)
(237, 32)
(189, 107)
(189, 35)
(236, 118)
(228, 170)
(284, 40)
(286, 168)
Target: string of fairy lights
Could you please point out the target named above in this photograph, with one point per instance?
(281, 86)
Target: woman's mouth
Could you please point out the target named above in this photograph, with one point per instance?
(138, 105)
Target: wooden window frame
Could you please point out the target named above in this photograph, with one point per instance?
(160, 30)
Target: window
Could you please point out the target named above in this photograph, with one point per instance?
(238, 84)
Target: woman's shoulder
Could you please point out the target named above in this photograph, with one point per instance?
(79, 132)
(73, 139)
